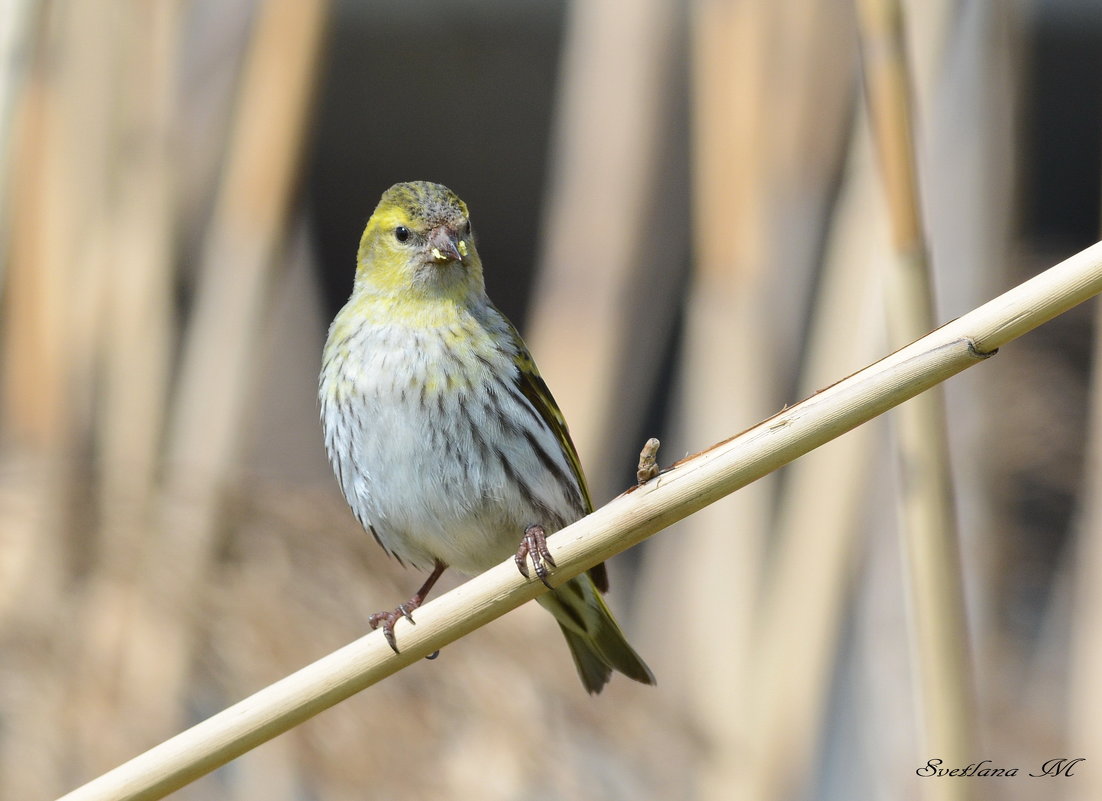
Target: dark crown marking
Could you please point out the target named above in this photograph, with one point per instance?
(426, 202)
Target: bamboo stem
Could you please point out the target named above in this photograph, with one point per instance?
(1085, 694)
(927, 507)
(818, 535)
(684, 489)
(616, 67)
(1084, 697)
(729, 372)
(15, 22)
(209, 408)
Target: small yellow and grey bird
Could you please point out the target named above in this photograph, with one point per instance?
(445, 440)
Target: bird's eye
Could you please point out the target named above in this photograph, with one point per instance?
(467, 228)
(401, 233)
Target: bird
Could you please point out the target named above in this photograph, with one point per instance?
(444, 438)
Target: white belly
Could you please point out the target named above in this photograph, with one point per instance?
(438, 467)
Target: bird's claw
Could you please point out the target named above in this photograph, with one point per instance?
(387, 621)
(534, 544)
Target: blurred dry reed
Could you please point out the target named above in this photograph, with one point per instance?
(1086, 645)
(927, 510)
(715, 239)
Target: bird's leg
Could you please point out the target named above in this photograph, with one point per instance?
(388, 619)
(534, 544)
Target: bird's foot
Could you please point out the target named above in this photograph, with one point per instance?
(388, 619)
(534, 544)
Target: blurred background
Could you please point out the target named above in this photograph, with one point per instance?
(682, 207)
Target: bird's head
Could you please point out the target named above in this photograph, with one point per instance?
(418, 244)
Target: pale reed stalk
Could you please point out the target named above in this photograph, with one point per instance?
(927, 507)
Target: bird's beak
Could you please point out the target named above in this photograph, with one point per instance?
(446, 245)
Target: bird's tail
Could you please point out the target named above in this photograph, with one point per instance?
(596, 642)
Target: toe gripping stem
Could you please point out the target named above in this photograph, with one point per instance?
(388, 619)
(534, 544)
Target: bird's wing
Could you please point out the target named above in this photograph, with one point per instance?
(533, 387)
